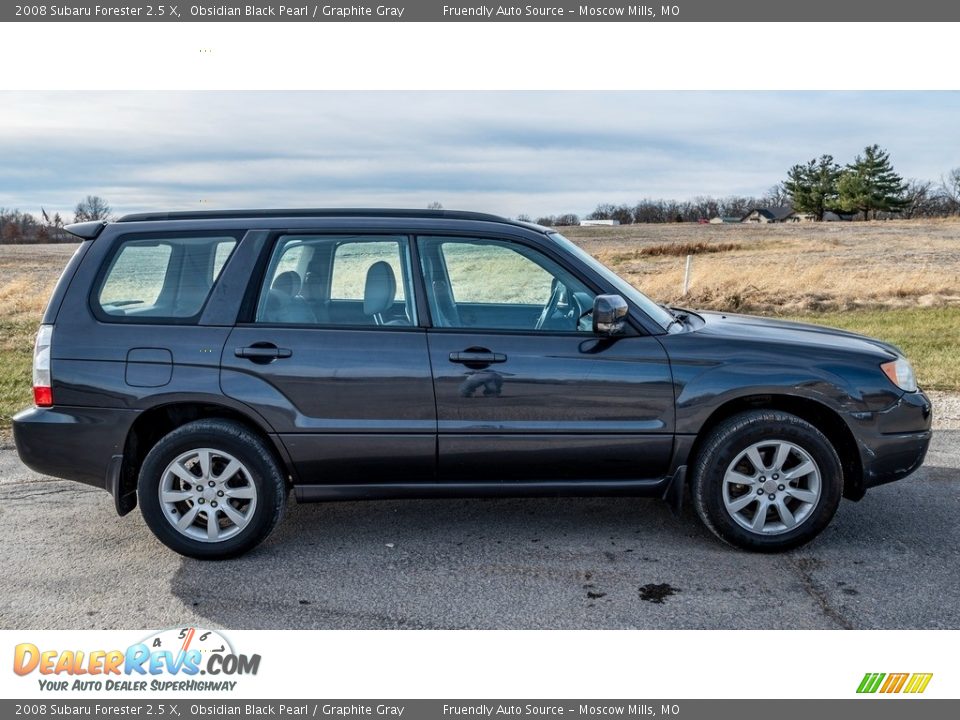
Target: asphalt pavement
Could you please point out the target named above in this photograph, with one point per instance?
(889, 561)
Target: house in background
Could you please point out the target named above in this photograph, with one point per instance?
(768, 215)
(724, 220)
(827, 217)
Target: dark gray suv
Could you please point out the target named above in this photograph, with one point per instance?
(204, 364)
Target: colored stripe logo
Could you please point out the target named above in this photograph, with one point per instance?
(913, 683)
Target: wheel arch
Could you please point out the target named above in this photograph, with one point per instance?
(155, 422)
(818, 414)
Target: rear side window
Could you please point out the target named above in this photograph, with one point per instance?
(162, 278)
(338, 280)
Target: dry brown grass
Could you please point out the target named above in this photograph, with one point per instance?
(22, 299)
(785, 269)
(27, 276)
(677, 249)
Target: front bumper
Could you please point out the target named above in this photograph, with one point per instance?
(73, 443)
(895, 443)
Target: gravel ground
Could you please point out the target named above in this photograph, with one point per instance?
(946, 409)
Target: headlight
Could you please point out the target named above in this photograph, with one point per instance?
(901, 374)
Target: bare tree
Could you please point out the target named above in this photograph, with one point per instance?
(55, 222)
(603, 211)
(918, 197)
(51, 228)
(950, 187)
(11, 233)
(434, 206)
(17, 227)
(92, 207)
(777, 196)
(704, 208)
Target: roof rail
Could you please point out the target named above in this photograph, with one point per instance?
(314, 212)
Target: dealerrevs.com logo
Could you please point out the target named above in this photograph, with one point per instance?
(910, 683)
(170, 660)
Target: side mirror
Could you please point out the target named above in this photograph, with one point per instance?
(609, 314)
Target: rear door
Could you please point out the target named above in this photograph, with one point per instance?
(332, 357)
(524, 389)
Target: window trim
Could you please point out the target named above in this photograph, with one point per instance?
(117, 243)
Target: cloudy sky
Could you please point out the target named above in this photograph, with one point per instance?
(508, 153)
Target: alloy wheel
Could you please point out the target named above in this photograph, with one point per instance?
(207, 495)
(771, 487)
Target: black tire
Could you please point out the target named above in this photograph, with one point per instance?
(727, 441)
(245, 446)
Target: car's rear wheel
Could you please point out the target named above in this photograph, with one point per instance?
(211, 489)
(767, 481)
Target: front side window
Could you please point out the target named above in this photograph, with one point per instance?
(656, 312)
(162, 278)
(338, 280)
(500, 285)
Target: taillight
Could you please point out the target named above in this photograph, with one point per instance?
(42, 385)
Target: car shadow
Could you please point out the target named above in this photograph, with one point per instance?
(424, 563)
(582, 563)
(586, 563)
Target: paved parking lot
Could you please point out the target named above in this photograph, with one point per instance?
(890, 561)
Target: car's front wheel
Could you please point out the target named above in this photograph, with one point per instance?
(766, 480)
(211, 489)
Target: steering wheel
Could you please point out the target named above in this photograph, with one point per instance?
(556, 294)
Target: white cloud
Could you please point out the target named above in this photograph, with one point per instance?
(501, 152)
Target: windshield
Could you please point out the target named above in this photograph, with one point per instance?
(657, 313)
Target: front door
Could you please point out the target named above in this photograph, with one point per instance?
(524, 389)
(334, 361)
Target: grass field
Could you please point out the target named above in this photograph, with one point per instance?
(20, 309)
(789, 269)
(929, 337)
(898, 281)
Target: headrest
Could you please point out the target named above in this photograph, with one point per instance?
(287, 282)
(380, 289)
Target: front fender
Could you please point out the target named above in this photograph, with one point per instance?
(702, 391)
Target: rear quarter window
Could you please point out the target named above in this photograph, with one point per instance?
(161, 278)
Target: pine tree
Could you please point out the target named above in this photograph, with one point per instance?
(813, 187)
(869, 183)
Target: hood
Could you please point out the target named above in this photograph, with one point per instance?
(749, 327)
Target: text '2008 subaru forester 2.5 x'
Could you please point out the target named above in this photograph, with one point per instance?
(202, 365)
